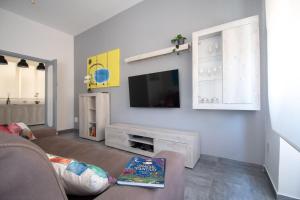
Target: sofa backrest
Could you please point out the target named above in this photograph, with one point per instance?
(42, 132)
(26, 172)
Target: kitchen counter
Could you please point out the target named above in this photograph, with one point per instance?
(31, 114)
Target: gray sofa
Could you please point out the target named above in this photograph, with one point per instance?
(26, 172)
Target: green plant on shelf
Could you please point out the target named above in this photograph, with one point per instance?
(178, 40)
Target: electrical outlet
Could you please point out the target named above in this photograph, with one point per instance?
(76, 119)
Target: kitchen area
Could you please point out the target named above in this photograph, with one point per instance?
(22, 91)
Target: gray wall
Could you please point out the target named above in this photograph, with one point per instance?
(149, 26)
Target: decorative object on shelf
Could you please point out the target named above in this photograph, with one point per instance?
(23, 64)
(92, 131)
(3, 61)
(8, 100)
(104, 70)
(36, 95)
(178, 40)
(87, 80)
(41, 67)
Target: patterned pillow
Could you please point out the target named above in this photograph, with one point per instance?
(80, 178)
(4, 129)
(14, 129)
(26, 132)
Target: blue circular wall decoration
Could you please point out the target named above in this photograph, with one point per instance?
(101, 75)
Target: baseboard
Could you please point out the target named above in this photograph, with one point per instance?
(271, 181)
(276, 194)
(72, 130)
(243, 163)
(282, 197)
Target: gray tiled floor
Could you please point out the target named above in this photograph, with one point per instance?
(221, 179)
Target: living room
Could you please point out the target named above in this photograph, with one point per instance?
(236, 127)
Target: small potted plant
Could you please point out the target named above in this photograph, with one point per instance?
(178, 40)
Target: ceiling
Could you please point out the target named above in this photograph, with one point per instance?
(70, 16)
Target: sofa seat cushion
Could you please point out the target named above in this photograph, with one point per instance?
(109, 159)
(43, 131)
(174, 183)
(113, 161)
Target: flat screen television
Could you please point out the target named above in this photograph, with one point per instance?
(159, 89)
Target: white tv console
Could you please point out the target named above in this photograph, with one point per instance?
(148, 141)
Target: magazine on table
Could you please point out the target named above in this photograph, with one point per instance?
(144, 172)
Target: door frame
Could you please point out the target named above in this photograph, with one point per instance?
(48, 63)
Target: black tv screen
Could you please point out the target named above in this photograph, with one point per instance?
(159, 89)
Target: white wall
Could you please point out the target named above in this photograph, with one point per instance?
(9, 81)
(23, 36)
(272, 151)
(238, 135)
(282, 161)
(289, 171)
(283, 52)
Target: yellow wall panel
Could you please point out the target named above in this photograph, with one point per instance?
(104, 69)
(102, 64)
(91, 61)
(114, 67)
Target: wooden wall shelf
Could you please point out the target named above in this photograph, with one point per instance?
(158, 53)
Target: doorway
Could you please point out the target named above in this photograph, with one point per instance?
(27, 90)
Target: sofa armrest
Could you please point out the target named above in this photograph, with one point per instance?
(174, 183)
(26, 172)
(174, 177)
(43, 132)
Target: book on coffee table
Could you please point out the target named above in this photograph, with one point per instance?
(144, 172)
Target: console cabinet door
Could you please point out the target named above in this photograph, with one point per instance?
(5, 114)
(241, 64)
(164, 145)
(83, 113)
(36, 114)
(19, 113)
(40, 115)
